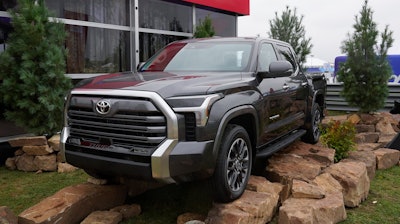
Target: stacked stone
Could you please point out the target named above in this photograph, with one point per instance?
(36, 154)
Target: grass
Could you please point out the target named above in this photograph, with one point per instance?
(20, 190)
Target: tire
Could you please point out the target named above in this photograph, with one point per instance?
(313, 132)
(233, 166)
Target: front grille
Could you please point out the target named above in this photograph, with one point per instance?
(135, 124)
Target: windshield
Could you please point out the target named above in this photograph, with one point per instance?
(201, 56)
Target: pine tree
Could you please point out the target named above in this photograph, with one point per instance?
(204, 28)
(32, 68)
(366, 71)
(289, 28)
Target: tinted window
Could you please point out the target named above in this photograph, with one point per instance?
(266, 56)
(286, 54)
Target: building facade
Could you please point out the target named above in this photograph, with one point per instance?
(115, 35)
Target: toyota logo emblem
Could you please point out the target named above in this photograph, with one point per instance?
(103, 107)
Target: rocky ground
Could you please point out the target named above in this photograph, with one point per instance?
(301, 184)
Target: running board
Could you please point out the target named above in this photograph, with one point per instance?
(287, 140)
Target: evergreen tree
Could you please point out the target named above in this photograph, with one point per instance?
(289, 28)
(366, 71)
(204, 28)
(32, 68)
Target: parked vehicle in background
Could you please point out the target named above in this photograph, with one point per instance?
(198, 108)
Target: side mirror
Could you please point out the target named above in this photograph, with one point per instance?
(278, 69)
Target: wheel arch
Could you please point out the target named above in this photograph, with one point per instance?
(245, 116)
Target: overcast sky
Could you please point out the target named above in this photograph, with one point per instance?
(327, 22)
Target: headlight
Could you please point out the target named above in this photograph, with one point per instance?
(199, 105)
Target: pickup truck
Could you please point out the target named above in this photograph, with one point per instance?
(199, 108)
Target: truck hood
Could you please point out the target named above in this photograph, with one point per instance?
(169, 84)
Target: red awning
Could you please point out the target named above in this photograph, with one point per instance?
(241, 7)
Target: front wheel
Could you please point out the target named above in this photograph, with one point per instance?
(313, 132)
(233, 166)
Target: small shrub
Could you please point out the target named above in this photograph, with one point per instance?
(339, 136)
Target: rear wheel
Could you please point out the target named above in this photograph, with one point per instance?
(313, 133)
(233, 166)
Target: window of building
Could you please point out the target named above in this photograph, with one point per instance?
(224, 24)
(97, 50)
(150, 43)
(163, 15)
(99, 11)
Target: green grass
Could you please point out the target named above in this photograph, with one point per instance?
(383, 202)
(20, 190)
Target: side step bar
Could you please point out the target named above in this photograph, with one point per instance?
(287, 140)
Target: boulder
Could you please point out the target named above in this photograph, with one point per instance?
(384, 126)
(7, 216)
(386, 158)
(251, 207)
(65, 168)
(189, 216)
(365, 128)
(367, 157)
(328, 183)
(23, 141)
(354, 119)
(367, 137)
(46, 163)
(37, 150)
(128, 211)
(54, 142)
(385, 139)
(302, 189)
(367, 146)
(72, 204)
(292, 166)
(25, 163)
(354, 179)
(10, 163)
(323, 155)
(260, 184)
(303, 210)
(103, 217)
(369, 119)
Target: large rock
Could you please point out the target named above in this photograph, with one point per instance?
(25, 163)
(66, 168)
(367, 157)
(72, 204)
(10, 163)
(369, 119)
(103, 217)
(260, 184)
(7, 216)
(54, 142)
(128, 211)
(251, 207)
(368, 146)
(365, 128)
(386, 158)
(384, 139)
(302, 189)
(282, 166)
(384, 126)
(328, 183)
(37, 150)
(301, 210)
(36, 140)
(46, 163)
(367, 137)
(354, 179)
(323, 155)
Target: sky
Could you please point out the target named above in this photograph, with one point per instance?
(326, 22)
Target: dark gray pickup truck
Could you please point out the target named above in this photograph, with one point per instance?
(199, 108)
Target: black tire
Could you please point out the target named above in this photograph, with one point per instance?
(233, 166)
(313, 132)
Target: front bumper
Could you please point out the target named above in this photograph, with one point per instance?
(172, 162)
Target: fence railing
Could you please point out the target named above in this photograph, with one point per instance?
(335, 102)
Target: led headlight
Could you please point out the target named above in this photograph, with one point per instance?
(199, 105)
